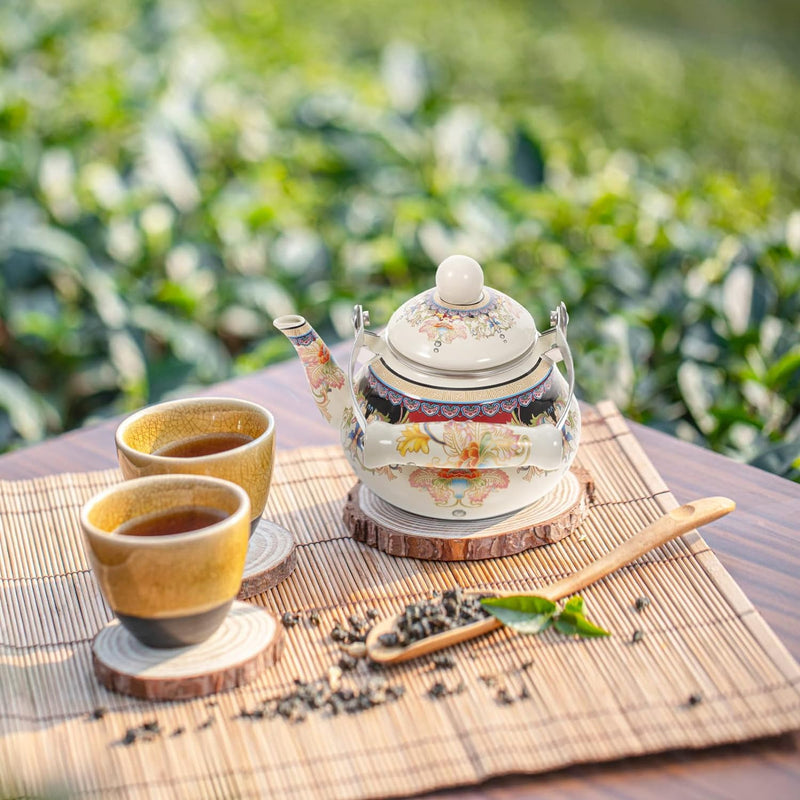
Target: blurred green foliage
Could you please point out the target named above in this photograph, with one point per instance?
(174, 174)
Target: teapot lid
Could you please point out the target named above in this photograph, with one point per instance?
(461, 325)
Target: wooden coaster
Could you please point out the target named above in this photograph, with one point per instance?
(399, 533)
(270, 559)
(249, 640)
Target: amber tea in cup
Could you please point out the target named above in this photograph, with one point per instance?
(218, 436)
(168, 552)
(204, 445)
(171, 521)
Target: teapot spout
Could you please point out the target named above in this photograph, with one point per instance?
(326, 380)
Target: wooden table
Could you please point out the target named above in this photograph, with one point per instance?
(759, 545)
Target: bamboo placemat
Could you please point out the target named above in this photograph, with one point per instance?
(588, 700)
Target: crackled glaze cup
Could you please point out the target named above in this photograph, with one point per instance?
(184, 437)
(168, 589)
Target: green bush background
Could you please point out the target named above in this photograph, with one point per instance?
(174, 174)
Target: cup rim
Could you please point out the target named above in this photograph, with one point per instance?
(132, 452)
(242, 510)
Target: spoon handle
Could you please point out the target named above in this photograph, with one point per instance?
(672, 524)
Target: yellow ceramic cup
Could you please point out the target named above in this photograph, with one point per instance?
(145, 439)
(173, 589)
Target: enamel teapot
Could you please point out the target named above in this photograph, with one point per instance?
(459, 411)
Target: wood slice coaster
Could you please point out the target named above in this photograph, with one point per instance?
(270, 559)
(249, 640)
(399, 533)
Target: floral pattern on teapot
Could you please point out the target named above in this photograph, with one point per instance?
(463, 444)
(322, 372)
(444, 324)
(458, 487)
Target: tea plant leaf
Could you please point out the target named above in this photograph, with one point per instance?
(785, 369)
(574, 623)
(524, 613)
(781, 458)
(574, 605)
(23, 407)
(527, 159)
(737, 298)
(531, 614)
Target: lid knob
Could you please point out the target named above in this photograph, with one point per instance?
(459, 281)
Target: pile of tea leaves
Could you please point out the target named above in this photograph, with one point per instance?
(442, 612)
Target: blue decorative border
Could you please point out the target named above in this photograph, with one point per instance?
(432, 408)
(303, 339)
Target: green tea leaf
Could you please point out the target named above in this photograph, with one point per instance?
(531, 614)
(524, 613)
(25, 409)
(571, 623)
(782, 370)
(574, 605)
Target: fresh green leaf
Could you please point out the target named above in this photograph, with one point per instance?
(574, 605)
(25, 410)
(524, 613)
(531, 614)
(783, 370)
(571, 623)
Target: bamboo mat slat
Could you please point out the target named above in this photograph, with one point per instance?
(588, 701)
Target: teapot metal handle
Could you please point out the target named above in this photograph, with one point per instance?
(360, 319)
(559, 320)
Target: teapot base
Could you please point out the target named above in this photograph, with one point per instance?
(400, 532)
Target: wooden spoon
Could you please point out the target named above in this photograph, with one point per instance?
(672, 524)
